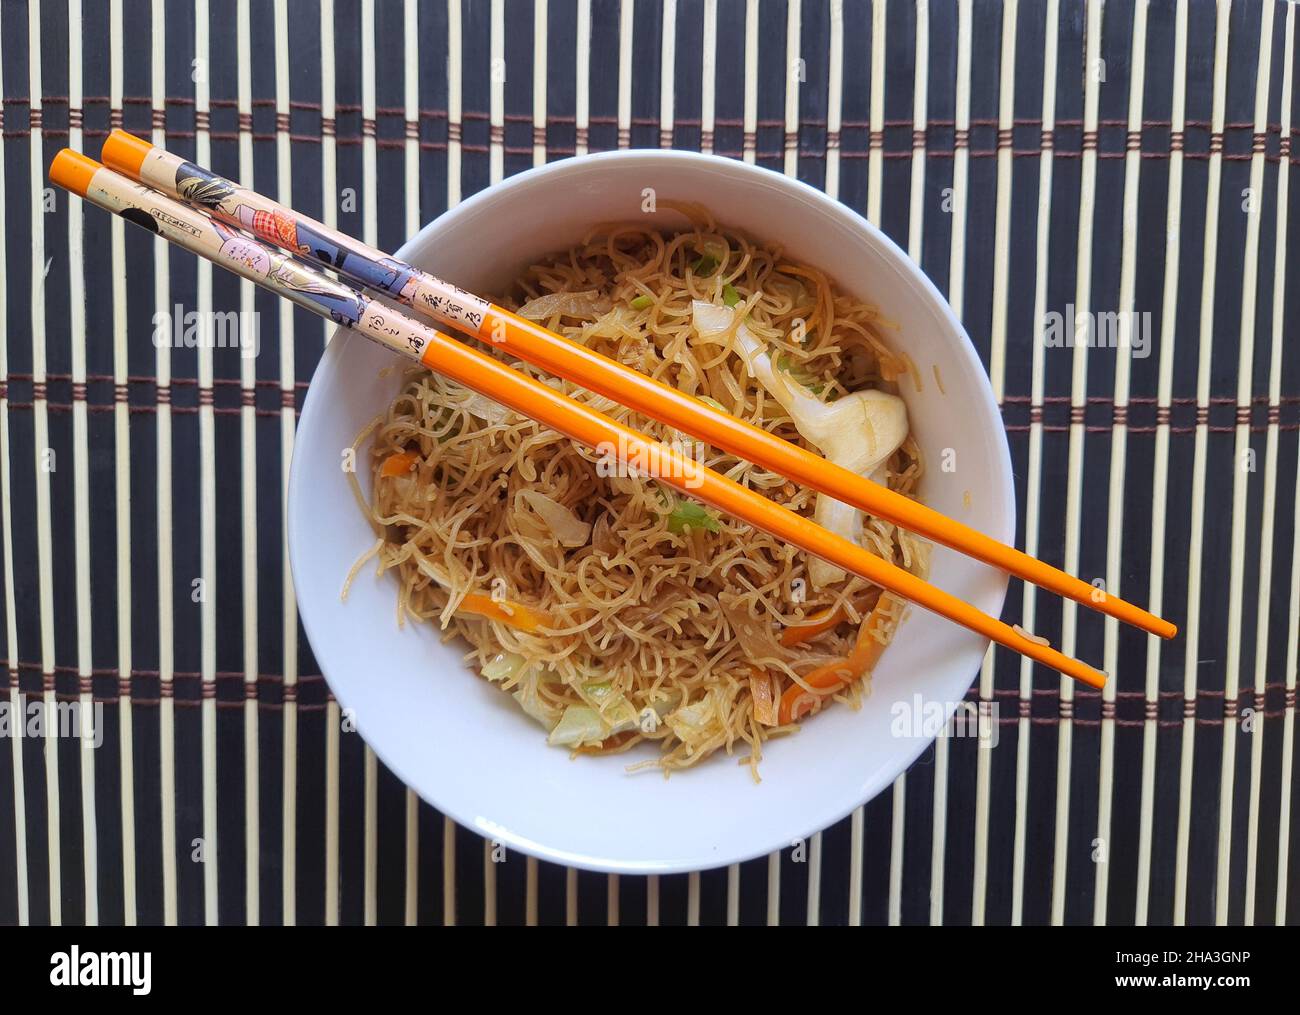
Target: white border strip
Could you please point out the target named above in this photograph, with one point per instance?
(750, 122)
(411, 151)
(289, 625)
(582, 79)
(208, 497)
(997, 376)
(1076, 450)
(248, 506)
(539, 82)
(42, 465)
(1240, 488)
(1164, 397)
(166, 636)
(333, 715)
(453, 198)
(956, 297)
(667, 72)
(1033, 479)
(794, 74)
(626, 15)
(122, 506)
(369, 231)
(81, 469)
(496, 171)
(540, 54)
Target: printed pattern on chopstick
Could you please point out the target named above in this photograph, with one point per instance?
(265, 219)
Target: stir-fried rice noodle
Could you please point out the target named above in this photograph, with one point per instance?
(615, 610)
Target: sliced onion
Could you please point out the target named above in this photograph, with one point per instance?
(603, 539)
(478, 405)
(617, 323)
(756, 637)
(588, 303)
(710, 319)
(567, 528)
(858, 432)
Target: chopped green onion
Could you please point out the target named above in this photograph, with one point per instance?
(642, 302)
(705, 264)
(800, 373)
(729, 295)
(688, 513)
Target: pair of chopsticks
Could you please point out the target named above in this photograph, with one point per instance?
(213, 222)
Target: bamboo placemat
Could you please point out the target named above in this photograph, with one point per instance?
(1033, 157)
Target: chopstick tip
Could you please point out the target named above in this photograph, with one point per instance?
(124, 152)
(1085, 674)
(72, 171)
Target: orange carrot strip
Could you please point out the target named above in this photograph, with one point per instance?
(797, 701)
(399, 464)
(760, 688)
(822, 622)
(515, 614)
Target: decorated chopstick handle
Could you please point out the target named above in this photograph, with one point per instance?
(306, 287)
(452, 306)
(305, 237)
(245, 256)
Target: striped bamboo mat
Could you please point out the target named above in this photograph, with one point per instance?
(1122, 160)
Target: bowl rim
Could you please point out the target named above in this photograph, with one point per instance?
(990, 419)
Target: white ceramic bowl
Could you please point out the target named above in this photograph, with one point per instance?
(463, 745)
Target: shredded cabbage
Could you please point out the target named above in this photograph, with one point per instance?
(532, 702)
(614, 708)
(505, 666)
(584, 304)
(477, 405)
(567, 528)
(619, 323)
(858, 432)
(579, 725)
(711, 320)
(696, 722)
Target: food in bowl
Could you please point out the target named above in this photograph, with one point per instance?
(614, 610)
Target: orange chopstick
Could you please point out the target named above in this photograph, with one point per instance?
(477, 317)
(315, 291)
